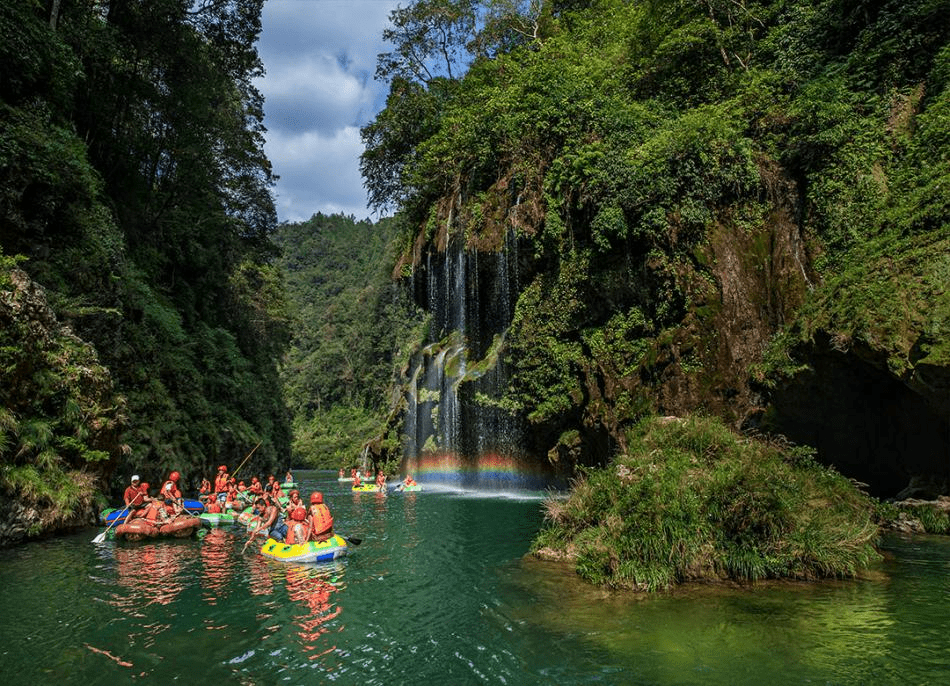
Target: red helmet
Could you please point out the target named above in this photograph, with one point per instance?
(222, 468)
(316, 497)
(299, 514)
(143, 486)
(293, 491)
(174, 476)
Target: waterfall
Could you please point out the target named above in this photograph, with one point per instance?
(455, 428)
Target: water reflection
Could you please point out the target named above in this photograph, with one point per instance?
(313, 588)
(217, 551)
(151, 573)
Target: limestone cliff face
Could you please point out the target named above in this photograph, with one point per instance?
(60, 419)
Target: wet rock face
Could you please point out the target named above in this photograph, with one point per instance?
(23, 520)
(870, 425)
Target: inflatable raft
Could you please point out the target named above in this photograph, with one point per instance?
(217, 518)
(140, 528)
(365, 488)
(325, 551)
(111, 514)
(247, 516)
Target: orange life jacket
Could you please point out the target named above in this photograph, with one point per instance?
(321, 519)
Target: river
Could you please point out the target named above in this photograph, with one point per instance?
(440, 592)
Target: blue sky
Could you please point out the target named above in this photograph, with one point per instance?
(320, 57)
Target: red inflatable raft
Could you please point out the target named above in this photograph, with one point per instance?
(138, 529)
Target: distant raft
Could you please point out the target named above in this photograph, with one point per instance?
(365, 488)
(312, 551)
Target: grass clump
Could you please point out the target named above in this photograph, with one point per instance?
(692, 501)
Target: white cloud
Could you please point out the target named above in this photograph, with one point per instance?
(319, 173)
(319, 57)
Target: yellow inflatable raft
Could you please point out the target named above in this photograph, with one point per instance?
(311, 551)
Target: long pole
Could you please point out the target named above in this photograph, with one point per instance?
(247, 458)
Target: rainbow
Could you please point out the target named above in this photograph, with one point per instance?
(488, 471)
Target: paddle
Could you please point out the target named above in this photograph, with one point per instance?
(102, 536)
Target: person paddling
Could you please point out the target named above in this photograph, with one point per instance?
(271, 520)
(134, 500)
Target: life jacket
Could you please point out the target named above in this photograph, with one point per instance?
(213, 507)
(322, 521)
(153, 513)
(296, 533)
(221, 482)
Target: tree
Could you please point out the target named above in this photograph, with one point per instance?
(431, 39)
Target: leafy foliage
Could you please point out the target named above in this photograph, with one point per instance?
(632, 133)
(352, 323)
(691, 501)
(60, 416)
(135, 185)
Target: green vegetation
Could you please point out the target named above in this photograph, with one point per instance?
(627, 143)
(59, 414)
(352, 325)
(135, 191)
(691, 501)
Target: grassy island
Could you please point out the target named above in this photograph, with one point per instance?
(689, 500)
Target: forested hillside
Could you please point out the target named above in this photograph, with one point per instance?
(732, 207)
(135, 193)
(353, 326)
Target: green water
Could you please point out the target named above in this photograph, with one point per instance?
(439, 592)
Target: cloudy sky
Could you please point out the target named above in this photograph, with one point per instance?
(320, 56)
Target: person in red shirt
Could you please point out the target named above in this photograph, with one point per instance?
(134, 500)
